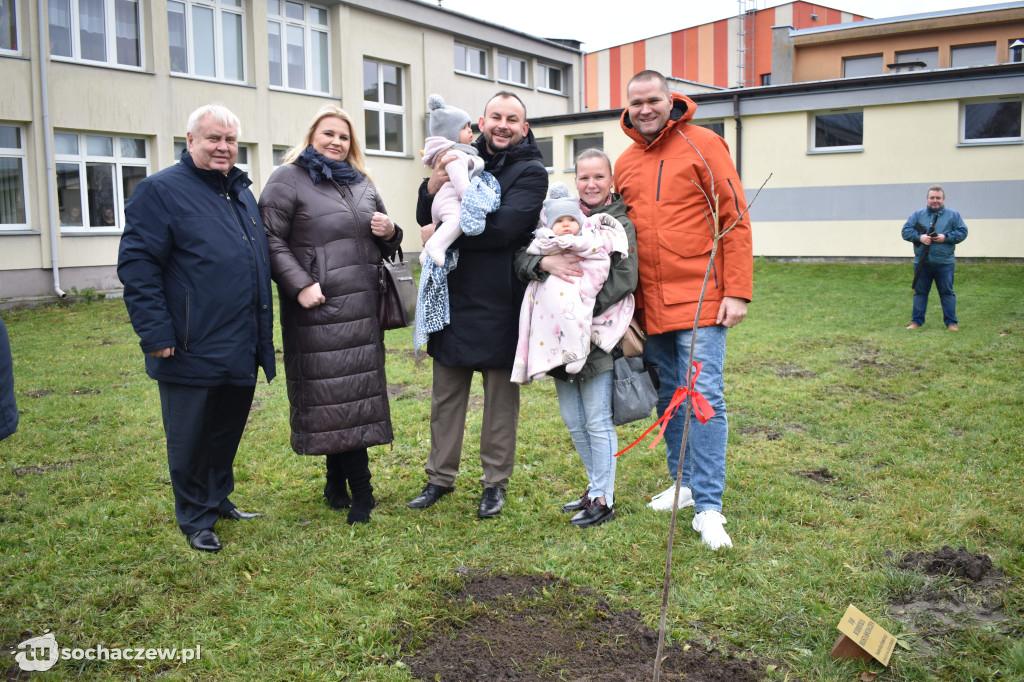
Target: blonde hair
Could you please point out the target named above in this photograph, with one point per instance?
(355, 149)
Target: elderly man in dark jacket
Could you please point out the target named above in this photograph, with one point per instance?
(194, 264)
(8, 406)
(485, 297)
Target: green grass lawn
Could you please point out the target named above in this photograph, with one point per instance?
(922, 431)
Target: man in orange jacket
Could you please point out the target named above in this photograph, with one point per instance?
(669, 178)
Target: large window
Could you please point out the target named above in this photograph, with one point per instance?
(106, 31)
(868, 65)
(991, 122)
(549, 78)
(469, 59)
(206, 38)
(511, 69)
(9, 27)
(12, 178)
(838, 132)
(96, 174)
(384, 106)
(298, 46)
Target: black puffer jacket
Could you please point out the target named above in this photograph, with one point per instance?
(483, 290)
(334, 353)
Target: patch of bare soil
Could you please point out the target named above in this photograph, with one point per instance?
(959, 563)
(40, 469)
(822, 475)
(769, 434)
(963, 590)
(541, 628)
(407, 391)
(786, 371)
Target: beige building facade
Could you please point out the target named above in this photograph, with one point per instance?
(104, 104)
(847, 161)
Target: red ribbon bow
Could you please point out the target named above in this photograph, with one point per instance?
(701, 409)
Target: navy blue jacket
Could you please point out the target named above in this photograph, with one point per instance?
(484, 293)
(196, 275)
(8, 408)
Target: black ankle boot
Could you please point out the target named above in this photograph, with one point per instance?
(362, 503)
(335, 489)
(336, 494)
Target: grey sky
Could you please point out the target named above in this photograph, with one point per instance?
(604, 24)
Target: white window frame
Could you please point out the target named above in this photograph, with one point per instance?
(309, 28)
(550, 141)
(83, 158)
(20, 153)
(247, 151)
(982, 141)
(13, 5)
(219, 8)
(507, 61)
(834, 149)
(383, 108)
(277, 155)
(109, 33)
(464, 68)
(544, 78)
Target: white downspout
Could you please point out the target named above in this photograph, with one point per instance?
(51, 176)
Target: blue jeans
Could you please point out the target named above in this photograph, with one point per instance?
(942, 275)
(704, 462)
(586, 408)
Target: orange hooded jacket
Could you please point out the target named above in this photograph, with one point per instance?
(671, 216)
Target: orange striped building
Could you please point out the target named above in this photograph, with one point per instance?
(731, 52)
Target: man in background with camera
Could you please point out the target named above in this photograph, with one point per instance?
(935, 231)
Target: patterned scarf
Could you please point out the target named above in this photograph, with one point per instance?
(321, 168)
(587, 210)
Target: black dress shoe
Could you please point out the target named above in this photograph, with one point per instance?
(204, 540)
(491, 502)
(430, 495)
(237, 514)
(575, 505)
(593, 515)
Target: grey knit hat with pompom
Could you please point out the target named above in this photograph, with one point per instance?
(560, 203)
(445, 121)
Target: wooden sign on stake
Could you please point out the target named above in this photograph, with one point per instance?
(862, 638)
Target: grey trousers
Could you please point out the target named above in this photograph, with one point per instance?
(448, 406)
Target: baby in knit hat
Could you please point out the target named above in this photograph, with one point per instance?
(557, 322)
(450, 134)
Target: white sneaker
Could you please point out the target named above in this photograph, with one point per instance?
(709, 524)
(663, 500)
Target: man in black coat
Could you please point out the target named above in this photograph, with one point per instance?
(485, 297)
(196, 274)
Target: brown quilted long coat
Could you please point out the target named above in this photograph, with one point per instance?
(333, 353)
